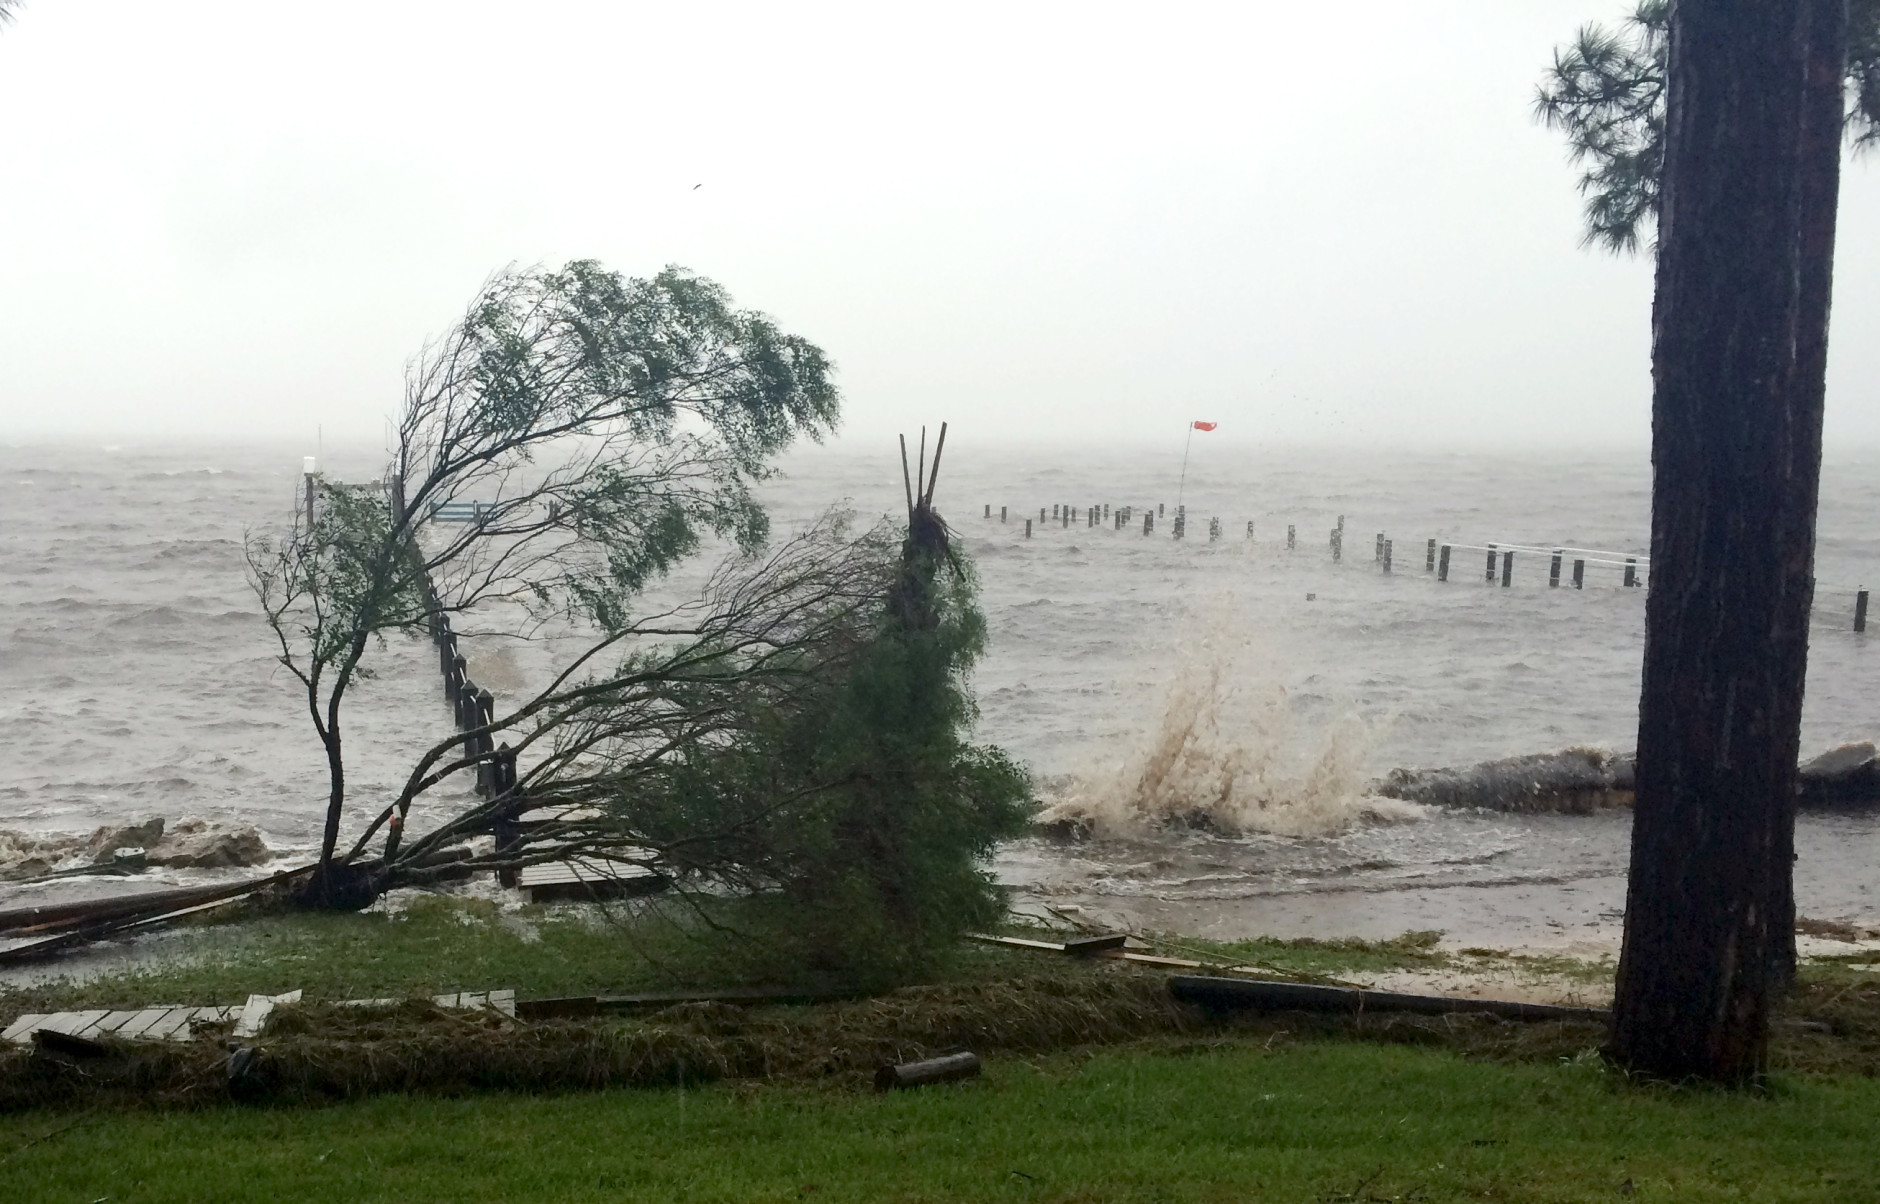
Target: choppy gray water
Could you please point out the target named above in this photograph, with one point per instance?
(140, 681)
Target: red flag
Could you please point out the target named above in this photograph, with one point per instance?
(1206, 426)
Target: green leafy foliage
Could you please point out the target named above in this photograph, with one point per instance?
(1606, 93)
(848, 789)
(599, 426)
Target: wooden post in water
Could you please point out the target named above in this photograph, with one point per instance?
(1338, 544)
(454, 684)
(1442, 564)
(1250, 529)
(1579, 573)
(1631, 572)
(1001, 513)
(1860, 609)
(485, 744)
(1491, 564)
(1027, 528)
(1161, 509)
(988, 509)
(1292, 537)
(1041, 516)
(1553, 571)
(1386, 557)
(1054, 510)
(1379, 554)
(1507, 568)
(1429, 557)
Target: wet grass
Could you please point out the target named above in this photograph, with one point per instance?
(430, 945)
(438, 944)
(1170, 1120)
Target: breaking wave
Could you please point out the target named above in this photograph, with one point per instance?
(1228, 755)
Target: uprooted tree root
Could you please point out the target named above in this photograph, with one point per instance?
(319, 1053)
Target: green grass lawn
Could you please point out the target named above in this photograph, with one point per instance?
(1212, 1121)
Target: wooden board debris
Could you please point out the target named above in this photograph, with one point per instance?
(584, 878)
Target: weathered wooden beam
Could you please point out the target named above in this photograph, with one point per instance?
(1243, 994)
(954, 1066)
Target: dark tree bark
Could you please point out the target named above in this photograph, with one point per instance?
(1746, 242)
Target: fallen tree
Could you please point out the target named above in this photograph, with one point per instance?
(598, 427)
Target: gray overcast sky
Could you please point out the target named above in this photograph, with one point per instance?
(1044, 221)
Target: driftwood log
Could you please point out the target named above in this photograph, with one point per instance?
(930, 1070)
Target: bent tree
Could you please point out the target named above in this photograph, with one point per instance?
(1752, 134)
(603, 424)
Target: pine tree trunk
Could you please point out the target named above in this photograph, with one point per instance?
(1746, 240)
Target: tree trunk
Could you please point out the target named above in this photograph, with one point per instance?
(1746, 240)
(335, 799)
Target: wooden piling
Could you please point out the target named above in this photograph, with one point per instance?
(1553, 571)
(988, 509)
(453, 685)
(1054, 511)
(1429, 557)
(1579, 574)
(1001, 513)
(1027, 528)
(483, 744)
(1148, 522)
(1292, 537)
(1491, 564)
(1860, 609)
(1631, 572)
(1250, 529)
(1386, 557)
(1379, 554)
(1338, 544)
(1442, 564)
(1507, 568)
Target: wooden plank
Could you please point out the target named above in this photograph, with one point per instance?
(173, 1020)
(1149, 959)
(72, 1023)
(1016, 942)
(1226, 994)
(135, 1027)
(254, 1014)
(21, 1030)
(579, 879)
(110, 1022)
(1085, 946)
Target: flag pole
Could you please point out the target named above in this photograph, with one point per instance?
(1186, 443)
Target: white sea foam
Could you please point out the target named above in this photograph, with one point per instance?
(1230, 754)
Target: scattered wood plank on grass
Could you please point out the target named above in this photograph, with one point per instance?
(1235, 994)
(581, 879)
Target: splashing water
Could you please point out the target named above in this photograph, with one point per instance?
(1227, 757)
